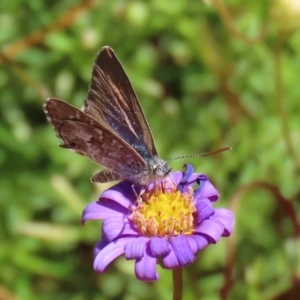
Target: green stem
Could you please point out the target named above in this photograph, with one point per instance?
(281, 105)
(177, 284)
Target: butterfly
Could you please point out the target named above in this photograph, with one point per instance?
(110, 128)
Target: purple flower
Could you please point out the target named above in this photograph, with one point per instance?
(169, 224)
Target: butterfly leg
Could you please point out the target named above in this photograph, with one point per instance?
(138, 196)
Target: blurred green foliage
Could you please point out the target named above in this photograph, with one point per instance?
(207, 76)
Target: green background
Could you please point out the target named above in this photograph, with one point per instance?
(207, 76)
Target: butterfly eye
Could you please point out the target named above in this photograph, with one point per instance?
(161, 168)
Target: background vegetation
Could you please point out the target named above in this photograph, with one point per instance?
(208, 74)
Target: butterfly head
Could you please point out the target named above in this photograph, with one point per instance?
(157, 169)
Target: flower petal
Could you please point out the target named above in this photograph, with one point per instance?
(173, 179)
(199, 178)
(106, 255)
(170, 261)
(226, 217)
(186, 176)
(176, 177)
(207, 190)
(136, 248)
(203, 210)
(99, 246)
(212, 229)
(100, 210)
(122, 193)
(117, 226)
(159, 246)
(200, 240)
(193, 244)
(182, 250)
(145, 267)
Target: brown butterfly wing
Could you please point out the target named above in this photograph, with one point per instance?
(113, 103)
(84, 135)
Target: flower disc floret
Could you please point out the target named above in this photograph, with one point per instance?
(164, 214)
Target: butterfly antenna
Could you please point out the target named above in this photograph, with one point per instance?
(203, 154)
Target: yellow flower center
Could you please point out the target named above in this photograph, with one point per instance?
(164, 213)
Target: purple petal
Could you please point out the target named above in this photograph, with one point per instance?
(159, 246)
(114, 227)
(204, 210)
(172, 180)
(182, 250)
(99, 246)
(100, 210)
(225, 217)
(200, 240)
(193, 244)
(170, 261)
(106, 255)
(136, 248)
(201, 180)
(207, 191)
(176, 177)
(122, 193)
(189, 170)
(212, 229)
(145, 268)
(195, 177)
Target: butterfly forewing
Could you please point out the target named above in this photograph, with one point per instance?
(113, 103)
(84, 135)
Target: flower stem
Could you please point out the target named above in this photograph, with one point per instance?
(177, 283)
(283, 114)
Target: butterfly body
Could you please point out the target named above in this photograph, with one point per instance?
(111, 128)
